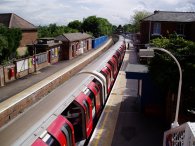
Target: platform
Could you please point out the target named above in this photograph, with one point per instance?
(122, 122)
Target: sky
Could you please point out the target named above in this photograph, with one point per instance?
(61, 12)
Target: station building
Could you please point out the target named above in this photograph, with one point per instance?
(74, 44)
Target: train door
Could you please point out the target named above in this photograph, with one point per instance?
(122, 51)
(117, 54)
(120, 55)
(99, 87)
(86, 103)
(79, 113)
(96, 91)
(107, 75)
(59, 133)
(91, 95)
(114, 65)
(116, 60)
(111, 72)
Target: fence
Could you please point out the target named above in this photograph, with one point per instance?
(22, 67)
(99, 41)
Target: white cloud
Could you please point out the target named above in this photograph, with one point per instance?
(61, 12)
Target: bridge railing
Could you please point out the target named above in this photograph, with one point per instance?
(183, 135)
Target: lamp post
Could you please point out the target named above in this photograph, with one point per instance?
(175, 122)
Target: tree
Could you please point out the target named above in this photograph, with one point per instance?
(164, 70)
(9, 42)
(128, 28)
(90, 24)
(97, 26)
(76, 24)
(137, 17)
(53, 30)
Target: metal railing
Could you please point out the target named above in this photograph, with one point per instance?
(183, 135)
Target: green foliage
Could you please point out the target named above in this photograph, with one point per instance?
(160, 42)
(53, 30)
(137, 17)
(93, 25)
(9, 42)
(128, 28)
(76, 24)
(165, 71)
(3, 44)
(97, 26)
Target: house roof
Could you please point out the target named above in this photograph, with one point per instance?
(12, 20)
(73, 37)
(171, 16)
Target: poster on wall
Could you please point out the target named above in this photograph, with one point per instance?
(22, 65)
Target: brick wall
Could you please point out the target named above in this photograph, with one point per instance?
(166, 29)
(28, 37)
(1, 76)
(31, 69)
(144, 30)
(21, 74)
(42, 65)
(7, 69)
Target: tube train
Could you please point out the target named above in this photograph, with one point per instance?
(68, 115)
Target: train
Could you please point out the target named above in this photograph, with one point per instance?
(68, 115)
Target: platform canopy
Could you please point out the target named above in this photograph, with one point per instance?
(136, 71)
(146, 53)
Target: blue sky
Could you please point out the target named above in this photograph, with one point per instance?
(44, 12)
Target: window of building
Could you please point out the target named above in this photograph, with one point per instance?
(181, 29)
(157, 28)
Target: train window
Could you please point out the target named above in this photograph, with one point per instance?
(50, 140)
(98, 87)
(87, 110)
(116, 59)
(68, 134)
(113, 66)
(74, 114)
(91, 95)
(110, 73)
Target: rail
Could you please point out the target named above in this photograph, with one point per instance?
(183, 135)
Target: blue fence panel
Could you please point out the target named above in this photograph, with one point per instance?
(99, 41)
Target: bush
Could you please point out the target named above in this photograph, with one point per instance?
(164, 70)
(9, 42)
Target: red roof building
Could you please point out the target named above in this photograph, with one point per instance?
(29, 31)
(163, 23)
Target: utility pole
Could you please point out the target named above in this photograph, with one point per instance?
(34, 57)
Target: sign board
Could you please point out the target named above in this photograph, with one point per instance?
(22, 65)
